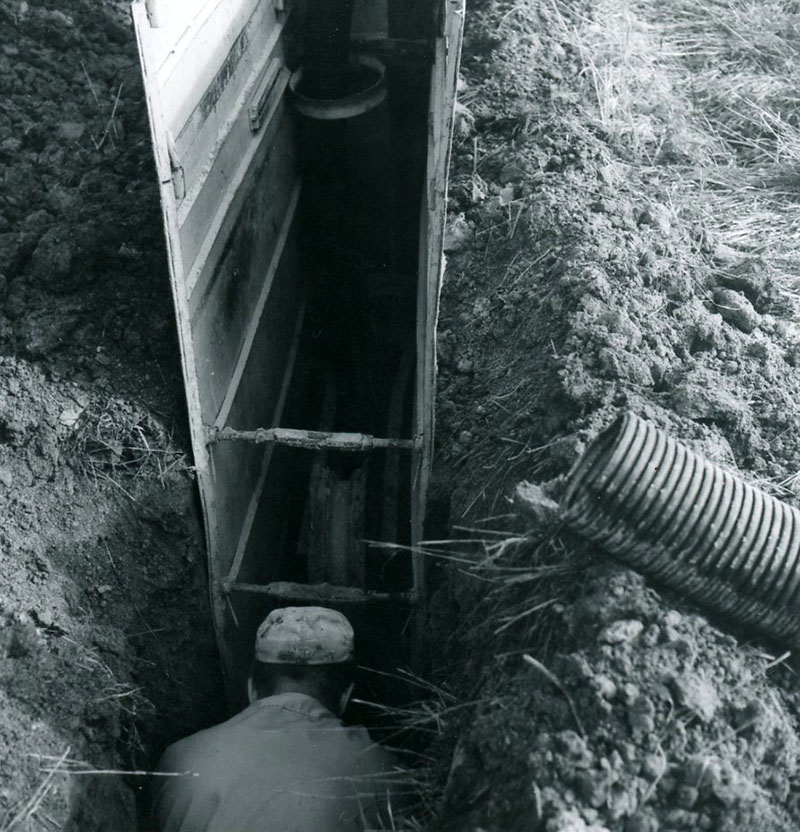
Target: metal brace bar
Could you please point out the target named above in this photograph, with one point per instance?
(272, 84)
(314, 440)
(175, 165)
(323, 593)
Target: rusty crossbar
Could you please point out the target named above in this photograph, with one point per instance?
(312, 439)
(320, 593)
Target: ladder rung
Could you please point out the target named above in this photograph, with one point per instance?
(323, 593)
(311, 439)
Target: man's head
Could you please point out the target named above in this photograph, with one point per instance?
(304, 650)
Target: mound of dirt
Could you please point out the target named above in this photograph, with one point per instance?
(645, 717)
(618, 240)
(106, 647)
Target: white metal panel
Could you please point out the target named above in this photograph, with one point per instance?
(187, 30)
(229, 191)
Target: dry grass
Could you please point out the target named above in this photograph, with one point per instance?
(127, 700)
(513, 582)
(30, 810)
(730, 34)
(703, 99)
(418, 724)
(742, 72)
(118, 440)
(132, 707)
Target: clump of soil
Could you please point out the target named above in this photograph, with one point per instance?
(644, 717)
(618, 239)
(106, 647)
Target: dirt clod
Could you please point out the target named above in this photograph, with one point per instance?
(736, 309)
(621, 631)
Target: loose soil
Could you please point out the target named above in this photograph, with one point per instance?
(621, 236)
(106, 648)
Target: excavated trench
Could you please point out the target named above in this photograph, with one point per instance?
(359, 218)
(355, 369)
(97, 584)
(124, 575)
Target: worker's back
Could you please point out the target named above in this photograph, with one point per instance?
(285, 763)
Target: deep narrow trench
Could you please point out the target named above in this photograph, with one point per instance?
(355, 371)
(99, 334)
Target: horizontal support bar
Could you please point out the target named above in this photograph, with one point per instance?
(314, 440)
(323, 593)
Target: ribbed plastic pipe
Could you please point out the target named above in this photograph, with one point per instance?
(671, 514)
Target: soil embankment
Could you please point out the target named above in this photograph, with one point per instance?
(106, 649)
(622, 236)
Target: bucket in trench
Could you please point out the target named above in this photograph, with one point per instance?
(673, 515)
(345, 142)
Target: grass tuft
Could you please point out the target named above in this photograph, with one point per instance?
(119, 440)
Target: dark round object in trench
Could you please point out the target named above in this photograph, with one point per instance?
(339, 92)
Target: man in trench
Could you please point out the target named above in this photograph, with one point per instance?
(287, 762)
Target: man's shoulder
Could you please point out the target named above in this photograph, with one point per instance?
(368, 754)
(242, 730)
(290, 723)
(199, 745)
(179, 756)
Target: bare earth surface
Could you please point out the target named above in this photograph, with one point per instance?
(106, 649)
(621, 236)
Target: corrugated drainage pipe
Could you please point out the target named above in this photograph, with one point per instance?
(671, 514)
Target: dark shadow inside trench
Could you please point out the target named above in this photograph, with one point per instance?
(355, 370)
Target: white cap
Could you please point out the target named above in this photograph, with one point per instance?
(304, 635)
